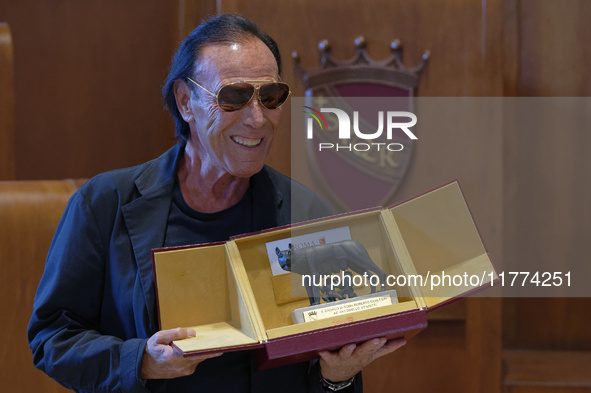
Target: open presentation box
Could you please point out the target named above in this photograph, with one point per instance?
(225, 291)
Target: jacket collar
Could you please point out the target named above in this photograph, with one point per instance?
(160, 172)
(268, 197)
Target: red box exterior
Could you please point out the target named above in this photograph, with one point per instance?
(305, 346)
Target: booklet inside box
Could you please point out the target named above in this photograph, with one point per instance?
(226, 293)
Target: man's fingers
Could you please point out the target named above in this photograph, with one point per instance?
(379, 347)
(344, 353)
(165, 337)
(370, 347)
(350, 359)
(374, 348)
(347, 351)
(327, 356)
(163, 361)
(390, 347)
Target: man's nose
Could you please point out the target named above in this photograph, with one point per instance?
(254, 113)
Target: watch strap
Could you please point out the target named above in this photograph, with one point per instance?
(335, 386)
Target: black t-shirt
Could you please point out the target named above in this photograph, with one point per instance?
(188, 226)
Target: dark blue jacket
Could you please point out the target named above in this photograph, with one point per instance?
(95, 305)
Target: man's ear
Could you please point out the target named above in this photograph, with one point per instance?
(182, 94)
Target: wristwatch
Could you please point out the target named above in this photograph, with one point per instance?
(335, 386)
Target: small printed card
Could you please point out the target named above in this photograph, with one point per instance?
(303, 241)
(333, 309)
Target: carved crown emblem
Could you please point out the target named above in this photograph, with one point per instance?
(345, 175)
(390, 71)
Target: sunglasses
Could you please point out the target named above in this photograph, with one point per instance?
(237, 95)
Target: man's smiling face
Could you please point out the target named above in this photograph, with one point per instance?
(238, 142)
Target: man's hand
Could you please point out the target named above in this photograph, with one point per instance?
(162, 361)
(350, 359)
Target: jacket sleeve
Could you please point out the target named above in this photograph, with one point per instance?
(65, 328)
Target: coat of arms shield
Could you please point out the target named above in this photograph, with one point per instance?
(377, 98)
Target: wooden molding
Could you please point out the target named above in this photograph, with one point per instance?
(7, 159)
(547, 368)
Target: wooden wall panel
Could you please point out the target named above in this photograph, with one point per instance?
(88, 77)
(192, 13)
(547, 389)
(554, 51)
(558, 369)
(548, 215)
(7, 161)
(547, 212)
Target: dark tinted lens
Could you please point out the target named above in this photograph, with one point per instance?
(273, 95)
(235, 96)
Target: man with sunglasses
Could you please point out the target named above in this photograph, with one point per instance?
(94, 325)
